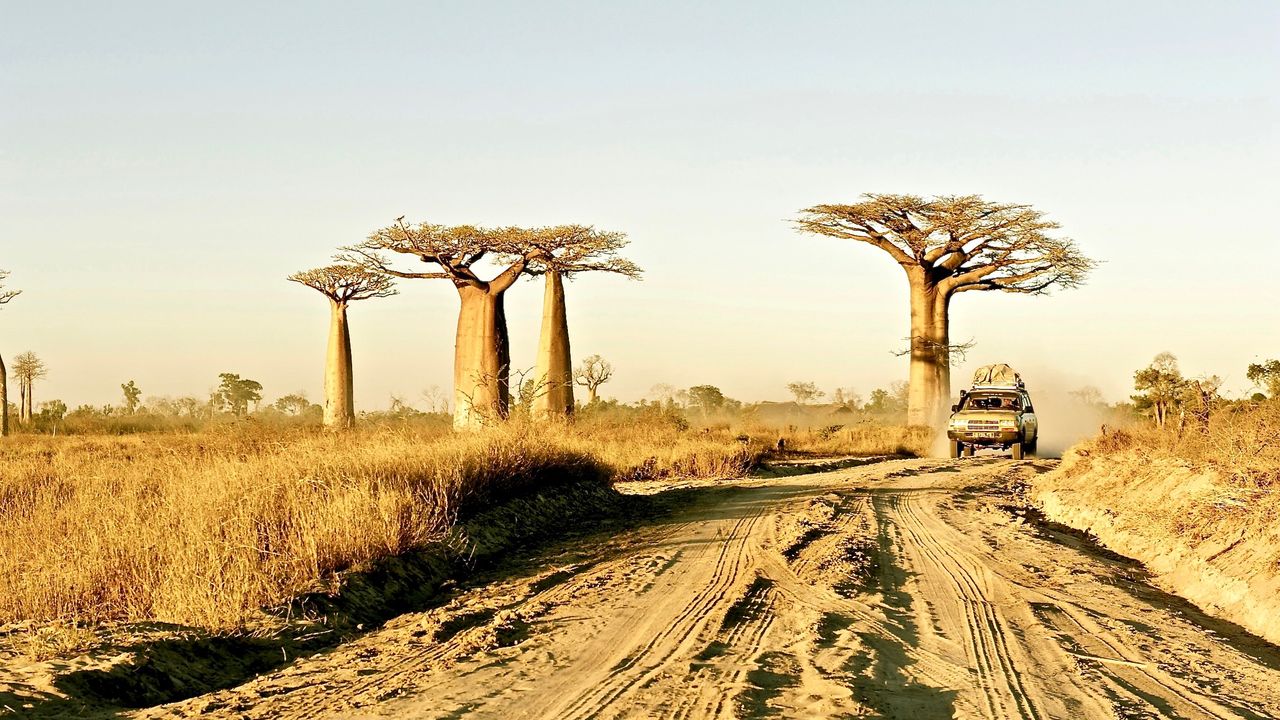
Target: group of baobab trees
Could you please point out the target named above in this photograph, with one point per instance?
(482, 353)
(945, 244)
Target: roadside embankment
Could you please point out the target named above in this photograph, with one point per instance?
(1206, 533)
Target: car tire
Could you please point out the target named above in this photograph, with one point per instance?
(968, 451)
(1016, 450)
(953, 448)
(1030, 449)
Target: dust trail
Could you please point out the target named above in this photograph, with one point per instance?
(1066, 414)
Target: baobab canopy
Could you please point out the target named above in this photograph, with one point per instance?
(961, 242)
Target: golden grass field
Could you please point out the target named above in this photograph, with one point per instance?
(205, 529)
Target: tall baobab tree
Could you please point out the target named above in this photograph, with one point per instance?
(591, 374)
(567, 251)
(948, 245)
(28, 368)
(342, 285)
(5, 297)
(482, 354)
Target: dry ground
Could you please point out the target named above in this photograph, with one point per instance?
(908, 589)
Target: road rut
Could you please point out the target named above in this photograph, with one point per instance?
(903, 589)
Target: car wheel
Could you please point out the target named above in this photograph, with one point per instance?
(968, 451)
(1016, 450)
(953, 448)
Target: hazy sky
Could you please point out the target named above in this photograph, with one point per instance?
(163, 166)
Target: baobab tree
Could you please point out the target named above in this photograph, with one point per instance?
(591, 374)
(5, 297)
(342, 285)
(566, 251)
(948, 245)
(28, 368)
(482, 354)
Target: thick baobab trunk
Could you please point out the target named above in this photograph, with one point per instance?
(481, 367)
(930, 374)
(592, 395)
(554, 371)
(339, 402)
(4, 399)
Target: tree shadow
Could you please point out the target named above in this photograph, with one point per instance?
(878, 676)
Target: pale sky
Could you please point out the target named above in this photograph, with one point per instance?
(163, 167)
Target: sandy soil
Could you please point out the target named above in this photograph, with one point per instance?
(906, 589)
(900, 589)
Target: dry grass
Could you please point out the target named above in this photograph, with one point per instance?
(205, 529)
(1241, 443)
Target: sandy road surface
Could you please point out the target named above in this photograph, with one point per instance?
(901, 589)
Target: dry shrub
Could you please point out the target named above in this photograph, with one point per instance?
(1241, 442)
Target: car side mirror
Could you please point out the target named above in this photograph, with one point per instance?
(955, 408)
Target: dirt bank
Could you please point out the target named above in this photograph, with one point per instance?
(1211, 540)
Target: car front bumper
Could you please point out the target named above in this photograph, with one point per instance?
(985, 437)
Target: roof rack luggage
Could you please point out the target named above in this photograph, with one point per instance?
(1000, 376)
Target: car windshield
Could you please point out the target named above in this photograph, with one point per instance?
(986, 401)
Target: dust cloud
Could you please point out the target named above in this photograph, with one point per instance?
(1068, 412)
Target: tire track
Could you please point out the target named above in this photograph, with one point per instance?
(640, 668)
(985, 635)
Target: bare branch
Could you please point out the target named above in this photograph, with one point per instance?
(6, 295)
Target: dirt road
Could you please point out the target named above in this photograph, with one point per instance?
(905, 589)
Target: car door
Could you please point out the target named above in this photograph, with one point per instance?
(1030, 423)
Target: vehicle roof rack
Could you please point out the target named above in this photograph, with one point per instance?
(1019, 385)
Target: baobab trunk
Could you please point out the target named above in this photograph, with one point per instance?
(339, 403)
(554, 371)
(481, 367)
(4, 399)
(942, 342)
(24, 413)
(930, 374)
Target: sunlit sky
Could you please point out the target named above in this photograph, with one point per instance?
(163, 167)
